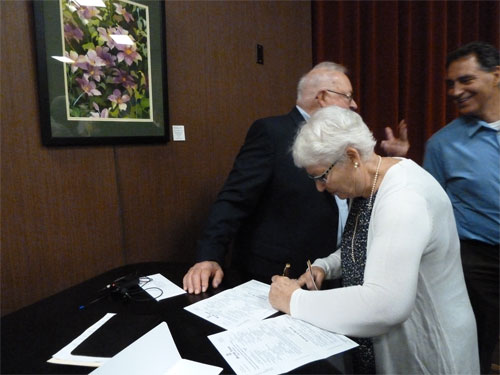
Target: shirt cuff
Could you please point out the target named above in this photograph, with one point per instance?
(295, 302)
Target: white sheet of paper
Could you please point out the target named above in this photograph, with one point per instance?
(277, 345)
(237, 306)
(64, 356)
(159, 281)
(187, 367)
(154, 353)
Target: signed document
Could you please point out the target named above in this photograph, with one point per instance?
(234, 307)
(277, 345)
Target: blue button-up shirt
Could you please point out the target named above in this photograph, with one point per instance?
(464, 157)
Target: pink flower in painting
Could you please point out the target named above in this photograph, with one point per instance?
(118, 99)
(99, 114)
(87, 86)
(72, 32)
(73, 56)
(86, 13)
(120, 10)
(128, 53)
(122, 77)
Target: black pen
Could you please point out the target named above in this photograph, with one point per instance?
(83, 307)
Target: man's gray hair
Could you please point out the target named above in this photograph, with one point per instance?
(311, 80)
(324, 138)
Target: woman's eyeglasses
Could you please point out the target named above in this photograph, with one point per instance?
(324, 176)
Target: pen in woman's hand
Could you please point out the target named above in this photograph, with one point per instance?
(286, 270)
(309, 267)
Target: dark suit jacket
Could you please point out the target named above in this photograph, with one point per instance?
(269, 207)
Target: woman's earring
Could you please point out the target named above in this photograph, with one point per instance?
(356, 164)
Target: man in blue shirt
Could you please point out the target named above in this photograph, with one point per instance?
(464, 157)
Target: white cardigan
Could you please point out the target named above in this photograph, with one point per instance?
(413, 301)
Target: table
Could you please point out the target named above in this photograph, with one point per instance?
(31, 336)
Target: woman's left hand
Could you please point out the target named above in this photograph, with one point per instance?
(281, 292)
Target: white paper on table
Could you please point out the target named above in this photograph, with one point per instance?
(154, 353)
(159, 281)
(64, 356)
(237, 306)
(188, 367)
(277, 345)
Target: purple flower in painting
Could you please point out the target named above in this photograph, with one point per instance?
(73, 56)
(94, 59)
(104, 36)
(86, 13)
(92, 63)
(88, 87)
(104, 55)
(120, 10)
(119, 30)
(95, 72)
(122, 77)
(117, 99)
(72, 32)
(99, 114)
(128, 53)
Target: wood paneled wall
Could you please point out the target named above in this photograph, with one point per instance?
(68, 214)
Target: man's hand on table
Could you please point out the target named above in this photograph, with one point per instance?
(197, 279)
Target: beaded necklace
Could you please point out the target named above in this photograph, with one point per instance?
(369, 207)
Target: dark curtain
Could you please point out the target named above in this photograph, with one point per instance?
(396, 51)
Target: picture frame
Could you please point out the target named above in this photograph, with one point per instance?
(102, 74)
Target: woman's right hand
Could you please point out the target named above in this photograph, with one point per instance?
(319, 275)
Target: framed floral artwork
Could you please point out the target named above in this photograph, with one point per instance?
(101, 71)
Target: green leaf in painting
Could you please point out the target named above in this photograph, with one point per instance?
(88, 46)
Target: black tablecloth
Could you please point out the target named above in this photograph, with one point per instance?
(33, 334)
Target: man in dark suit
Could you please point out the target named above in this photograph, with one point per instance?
(268, 207)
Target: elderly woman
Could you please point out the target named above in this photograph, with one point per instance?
(404, 294)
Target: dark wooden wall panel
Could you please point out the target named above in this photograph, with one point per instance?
(70, 213)
(216, 89)
(59, 206)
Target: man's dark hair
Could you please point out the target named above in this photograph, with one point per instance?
(486, 55)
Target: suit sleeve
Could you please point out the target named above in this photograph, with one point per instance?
(242, 190)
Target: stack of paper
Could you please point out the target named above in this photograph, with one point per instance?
(254, 346)
(277, 345)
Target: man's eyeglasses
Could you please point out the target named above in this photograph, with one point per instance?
(322, 177)
(349, 97)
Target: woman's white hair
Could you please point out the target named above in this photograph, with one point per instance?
(324, 138)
